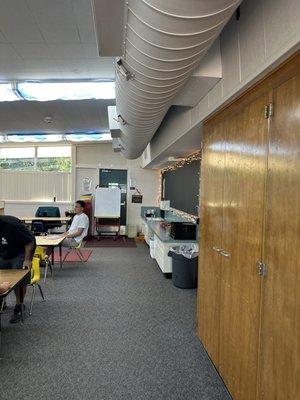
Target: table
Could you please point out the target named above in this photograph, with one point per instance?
(15, 277)
(45, 219)
(51, 241)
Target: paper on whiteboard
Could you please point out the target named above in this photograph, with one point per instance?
(107, 202)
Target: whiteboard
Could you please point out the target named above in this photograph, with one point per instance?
(107, 202)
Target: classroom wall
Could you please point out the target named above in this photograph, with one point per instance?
(28, 208)
(89, 158)
(266, 33)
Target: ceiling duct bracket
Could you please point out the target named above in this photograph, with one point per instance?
(123, 71)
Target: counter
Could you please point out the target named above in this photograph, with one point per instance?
(162, 234)
(161, 244)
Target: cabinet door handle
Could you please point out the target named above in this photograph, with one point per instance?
(225, 253)
(217, 249)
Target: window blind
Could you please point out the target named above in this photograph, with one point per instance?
(35, 185)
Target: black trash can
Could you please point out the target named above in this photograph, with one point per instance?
(184, 271)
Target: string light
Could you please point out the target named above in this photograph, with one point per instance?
(184, 215)
(185, 161)
(159, 194)
(179, 164)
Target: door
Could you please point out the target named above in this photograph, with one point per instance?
(280, 347)
(243, 210)
(211, 210)
(116, 177)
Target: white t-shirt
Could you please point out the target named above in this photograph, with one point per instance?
(80, 221)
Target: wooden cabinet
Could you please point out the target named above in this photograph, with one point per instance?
(211, 188)
(249, 279)
(243, 208)
(280, 347)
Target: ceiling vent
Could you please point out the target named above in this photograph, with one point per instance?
(161, 44)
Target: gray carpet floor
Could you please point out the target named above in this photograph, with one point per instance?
(111, 329)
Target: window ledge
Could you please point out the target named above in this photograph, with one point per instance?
(37, 202)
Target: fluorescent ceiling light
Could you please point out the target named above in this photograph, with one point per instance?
(33, 138)
(47, 91)
(88, 137)
(7, 93)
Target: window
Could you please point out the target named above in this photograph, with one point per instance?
(36, 158)
(54, 158)
(7, 93)
(17, 158)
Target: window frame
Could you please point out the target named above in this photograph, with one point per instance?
(35, 146)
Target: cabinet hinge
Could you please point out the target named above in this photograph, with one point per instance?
(261, 268)
(268, 110)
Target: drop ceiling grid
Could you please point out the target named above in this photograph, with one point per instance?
(42, 39)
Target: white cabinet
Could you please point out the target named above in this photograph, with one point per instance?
(161, 250)
(146, 232)
(161, 246)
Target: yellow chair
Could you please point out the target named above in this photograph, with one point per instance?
(78, 252)
(35, 278)
(40, 252)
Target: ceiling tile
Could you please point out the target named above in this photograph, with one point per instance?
(16, 10)
(60, 11)
(43, 39)
(71, 64)
(21, 32)
(59, 32)
(67, 51)
(77, 116)
(31, 51)
(103, 66)
(3, 38)
(39, 64)
(7, 53)
(90, 51)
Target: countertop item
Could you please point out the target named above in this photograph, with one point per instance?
(162, 234)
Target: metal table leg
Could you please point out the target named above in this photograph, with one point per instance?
(52, 255)
(21, 301)
(60, 255)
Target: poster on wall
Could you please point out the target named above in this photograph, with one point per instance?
(137, 198)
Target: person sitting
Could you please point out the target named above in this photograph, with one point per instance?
(79, 227)
(4, 286)
(17, 246)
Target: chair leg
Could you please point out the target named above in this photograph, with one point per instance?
(80, 255)
(42, 294)
(32, 298)
(48, 264)
(45, 273)
(2, 305)
(51, 270)
(66, 255)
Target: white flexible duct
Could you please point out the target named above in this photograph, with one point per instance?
(164, 40)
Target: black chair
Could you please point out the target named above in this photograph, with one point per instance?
(49, 211)
(38, 227)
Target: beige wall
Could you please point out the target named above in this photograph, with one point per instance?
(89, 158)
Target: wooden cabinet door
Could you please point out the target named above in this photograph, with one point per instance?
(280, 347)
(211, 210)
(243, 198)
